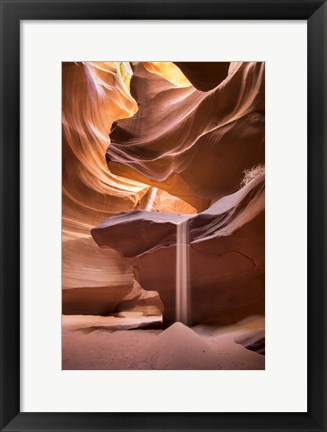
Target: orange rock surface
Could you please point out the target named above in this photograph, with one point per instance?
(146, 145)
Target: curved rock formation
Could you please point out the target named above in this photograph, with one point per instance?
(169, 71)
(193, 144)
(226, 254)
(94, 281)
(205, 76)
(177, 141)
(253, 341)
(93, 96)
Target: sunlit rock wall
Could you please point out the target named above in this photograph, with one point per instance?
(93, 96)
(155, 139)
(194, 144)
(226, 254)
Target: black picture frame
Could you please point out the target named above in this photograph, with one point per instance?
(12, 12)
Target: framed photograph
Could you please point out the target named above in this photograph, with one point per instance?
(163, 215)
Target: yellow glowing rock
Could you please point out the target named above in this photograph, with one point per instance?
(169, 71)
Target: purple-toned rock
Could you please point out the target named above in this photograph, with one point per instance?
(226, 254)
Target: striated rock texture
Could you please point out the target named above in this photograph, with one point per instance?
(253, 341)
(146, 146)
(226, 254)
(194, 144)
(95, 281)
(93, 96)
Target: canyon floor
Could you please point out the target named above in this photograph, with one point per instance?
(132, 341)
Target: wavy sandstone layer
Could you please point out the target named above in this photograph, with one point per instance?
(226, 249)
(93, 96)
(149, 145)
(193, 144)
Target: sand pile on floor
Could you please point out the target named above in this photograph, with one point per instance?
(179, 347)
(91, 343)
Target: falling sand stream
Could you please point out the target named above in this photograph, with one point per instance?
(182, 274)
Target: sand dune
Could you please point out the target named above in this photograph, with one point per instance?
(104, 343)
(179, 347)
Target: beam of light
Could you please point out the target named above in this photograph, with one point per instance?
(182, 274)
(152, 193)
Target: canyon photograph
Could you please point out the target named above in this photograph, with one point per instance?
(163, 215)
